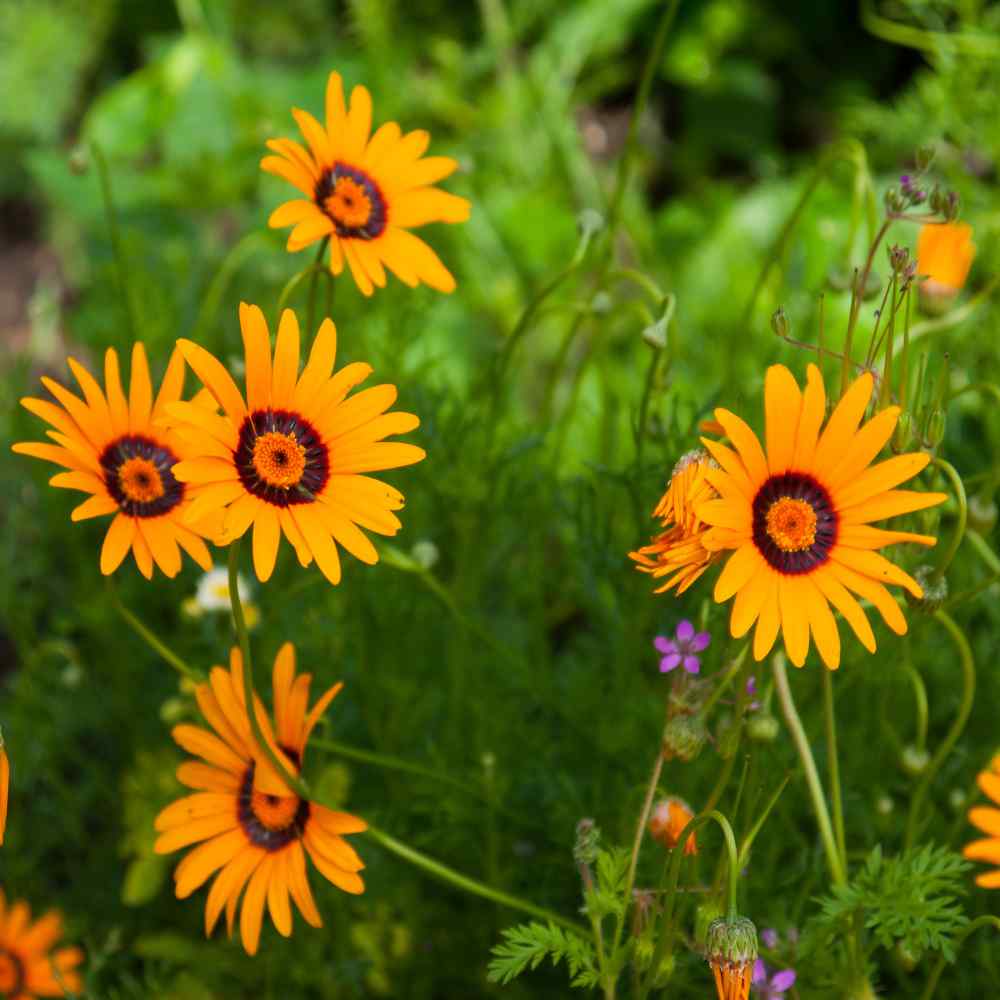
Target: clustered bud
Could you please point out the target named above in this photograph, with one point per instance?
(731, 950)
(683, 737)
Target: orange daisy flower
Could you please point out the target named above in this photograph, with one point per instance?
(667, 822)
(115, 450)
(944, 255)
(29, 967)
(797, 517)
(678, 551)
(364, 194)
(290, 458)
(987, 819)
(249, 827)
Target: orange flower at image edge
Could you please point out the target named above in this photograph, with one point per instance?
(115, 450)
(291, 458)
(944, 255)
(249, 827)
(28, 966)
(797, 517)
(987, 819)
(4, 789)
(365, 194)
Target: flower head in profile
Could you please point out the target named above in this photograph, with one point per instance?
(252, 831)
(987, 819)
(364, 193)
(291, 457)
(944, 255)
(667, 822)
(678, 551)
(115, 449)
(731, 950)
(770, 985)
(29, 967)
(797, 517)
(683, 649)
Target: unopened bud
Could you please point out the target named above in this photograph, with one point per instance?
(982, 513)
(683, 737)
(894, 200)
(79, 161)
(925, 157)
(589, 222)
(779, 322)
(935, 590)
(656, 335)
(731, 942)
(899, 258)
(762, 727)
(425, 553)
(902, 436)
(913, 760)
(588, 842)
(934, 430)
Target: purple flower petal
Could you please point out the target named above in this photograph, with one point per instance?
(781, 981)
(752, 690)
(759, 973)
(692, 664)
(684, 630)
(665, 645)
(699, 642)
(669, 662)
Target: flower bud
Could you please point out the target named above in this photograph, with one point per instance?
(588, 841)
(899, 258)
(779, 322)
(79, 160)
(731, 950)
(902, 436)
(667, 822)
(913, 760)
(934, 430)
(656, 335)
(683, 737)
(925, 157)
(982, 513)
(425, 553)
(762, 727)
(589, 222)
(935, 590)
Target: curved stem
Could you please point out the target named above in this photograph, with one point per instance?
(677, 855)
(963, 512)
(470, 885)
(984, 921)
(837, 870)
(833, 766)
(148, 636)
(965, 707)
(920, 697)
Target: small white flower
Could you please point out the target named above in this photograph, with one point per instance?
(213, 590)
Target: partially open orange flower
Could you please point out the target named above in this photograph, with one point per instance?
(365, 192)
(29, 967)
(944, 256)
(987, 819)
(667, 822)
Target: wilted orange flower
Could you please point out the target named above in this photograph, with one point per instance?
(29, 967)
(944, 256)
(365, 194)
(667, 822)
(987, 819)
(249, 826)
(678, 551)
(797, 517)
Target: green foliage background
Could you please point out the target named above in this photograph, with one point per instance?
(534, 683)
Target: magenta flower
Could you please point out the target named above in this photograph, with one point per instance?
(770, 986)
(682, 649)
(753, 706)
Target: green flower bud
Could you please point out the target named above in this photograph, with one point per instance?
(935, 590)
(934, 431)
(731, 941)
(913, 760)
(762, 727)
(683, 737)
(925, 157)
(902, 436)
(779, 322)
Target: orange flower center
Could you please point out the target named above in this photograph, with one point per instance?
(279, 459)
(274, 812)
(11, 974)
(791, 524)
(139, 480)
(348, 203)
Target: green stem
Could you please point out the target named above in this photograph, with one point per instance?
(986, 920)
(148, 636)
(466, 884)
(833, 766)
(963, 513)
(121, 266)
(317, 266)
(837, 870)
(677, 855)
(653, 63)
(860, 284)
(220, 282)
(724, 683)
(920, 697)
(965, 707)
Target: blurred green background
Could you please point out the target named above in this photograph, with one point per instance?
(534, 682)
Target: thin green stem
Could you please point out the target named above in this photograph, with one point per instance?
(963, 513)
(220, 282)
(317, 265)
(111, 214)
(986, 920)
(670, 898)
(833, 766)
(148, 636)
(470, 885)
(920, 699)
(726, 680)
(720, 785)
(968, 666)
(837, 870)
